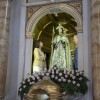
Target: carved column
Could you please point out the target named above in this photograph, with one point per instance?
(4, 39)
(80, 47)
(95, 29)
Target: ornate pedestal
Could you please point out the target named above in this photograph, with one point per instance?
(45, 90)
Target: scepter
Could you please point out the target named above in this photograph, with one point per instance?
(53, 32)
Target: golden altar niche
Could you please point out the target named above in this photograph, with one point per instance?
(45, 90)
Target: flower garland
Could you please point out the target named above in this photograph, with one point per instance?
(70, 81)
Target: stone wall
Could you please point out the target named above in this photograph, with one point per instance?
(95, 29)
(4, 38)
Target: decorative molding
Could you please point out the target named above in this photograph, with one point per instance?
(44, 2)
(29, 35)
(77, 5)
(79, 29)
(31, 11)
(48, 9)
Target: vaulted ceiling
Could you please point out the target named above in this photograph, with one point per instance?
(44, 27)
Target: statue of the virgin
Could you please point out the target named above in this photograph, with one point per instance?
(60, 53)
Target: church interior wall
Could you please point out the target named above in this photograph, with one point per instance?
(21, 49)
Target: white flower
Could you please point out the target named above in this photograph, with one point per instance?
(69, 81)
(76, 71)
(66, 76)
(78, 85)
(52, 76)
(68, 72)
(55, 68)
(20, 89)
(64, 80)
(62, 77)
(53, 72)
(38, 77)
(59, 80)
(28, 80)
(35, 74)
(33, 77)
(56, 77)
(24, 86)
(80, 72)
(80, 78)
(77, 74)
(39, 73)
(45, 69)
(60, 74)
(42, 74)
(49, 70)
(73, 77)
(23, 82)
(56, 71)
(74, 82)
(47, 74)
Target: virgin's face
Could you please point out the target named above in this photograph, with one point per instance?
(41, 44)
(60, 31)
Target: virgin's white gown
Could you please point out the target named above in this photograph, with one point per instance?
(60, 55)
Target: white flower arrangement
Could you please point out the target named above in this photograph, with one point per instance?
(72, 81)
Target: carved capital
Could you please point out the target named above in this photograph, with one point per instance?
(29, 35)
(79, 29)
